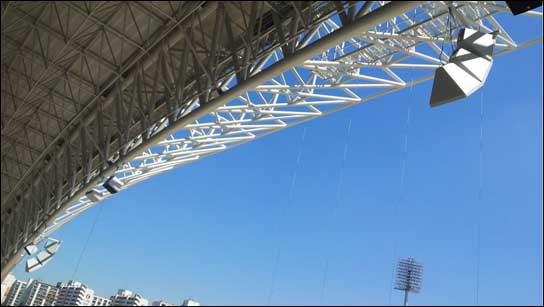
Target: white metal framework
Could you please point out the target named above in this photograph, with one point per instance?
(134, 89)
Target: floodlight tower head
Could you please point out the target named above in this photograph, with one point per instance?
(409, 274)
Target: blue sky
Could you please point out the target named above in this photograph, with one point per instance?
(207, 230)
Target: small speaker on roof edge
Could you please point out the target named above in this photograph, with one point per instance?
(113, 185)
(520, 7)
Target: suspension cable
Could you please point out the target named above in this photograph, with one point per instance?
(448, 26)
(402, 186)
(283, 215)
(332, 219)
(84, 249)
(480, 199)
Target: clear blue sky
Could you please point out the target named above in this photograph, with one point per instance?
(206, 230)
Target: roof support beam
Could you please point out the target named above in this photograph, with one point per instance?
(373, 18)
(172, 35)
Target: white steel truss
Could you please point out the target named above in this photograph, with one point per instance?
(323, 85)
(217, 107)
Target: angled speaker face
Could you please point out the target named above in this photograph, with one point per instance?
(476, 42)
(31, 249)
(475, 66)
(94, 195)
(52, 246)
(467, 69)
(113, 185)
(445, 89)
(32, 265)
(44, 257)
(45, 261)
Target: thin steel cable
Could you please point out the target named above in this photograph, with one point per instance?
(453, 23)
(402, 188)
(332, 220)
(282, 217)
(448, 25)
(323, 283)
(91, 231)
(480, 199)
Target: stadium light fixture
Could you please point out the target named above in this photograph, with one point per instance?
(409, 276)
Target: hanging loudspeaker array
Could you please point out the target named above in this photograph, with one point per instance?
(467, 69)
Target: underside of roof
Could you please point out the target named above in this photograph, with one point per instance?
(60, 59)
(82, 79)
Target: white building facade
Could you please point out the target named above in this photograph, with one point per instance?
(39, 293)
(100, 301)
(74, 293)
(16, 293)
(6, 287)
(190, 302)
(127, 298)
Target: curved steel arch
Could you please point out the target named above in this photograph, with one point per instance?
(306, 68)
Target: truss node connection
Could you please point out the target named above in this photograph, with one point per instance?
(133, 89)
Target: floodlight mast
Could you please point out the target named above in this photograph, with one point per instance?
(409, 273)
